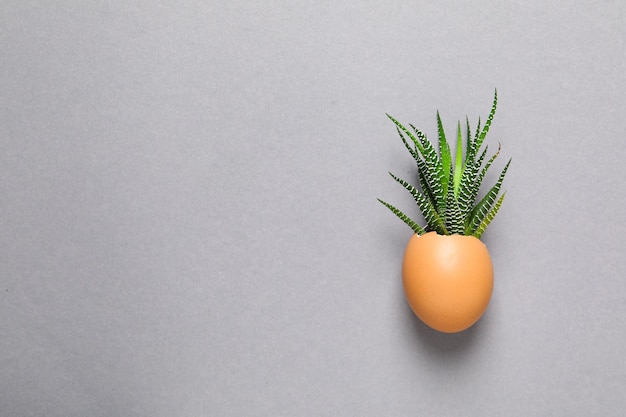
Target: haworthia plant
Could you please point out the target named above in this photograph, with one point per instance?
(448, 188)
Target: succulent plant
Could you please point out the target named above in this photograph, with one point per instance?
(448, 190)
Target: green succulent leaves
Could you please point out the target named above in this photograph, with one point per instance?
(448, 188)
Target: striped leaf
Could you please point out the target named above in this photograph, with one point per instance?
(426, 179)
(454, 217)
(475, 185)
(483, 133)
(482, 208)
(432, 168)
(412, 151)
(414, 226)
(435, 166)
(469, 185)
(477, 130)
(423, 178)
(429, 212)
(488, 218)
(470, 151)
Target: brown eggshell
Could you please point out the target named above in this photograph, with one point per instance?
(448, 280)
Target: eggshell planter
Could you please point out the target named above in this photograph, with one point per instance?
(447, 280)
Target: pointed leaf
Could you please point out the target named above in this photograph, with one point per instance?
(434, 166)
(474, 186)
(412, 151)
(481, 138)
(458, 165)
(469, 183)
(424, 173)
(414, 226)
(489, 217)
(445, 156)
(454, 218)
(469, 145)
(423, 178)
(429, 211)
(483, 207)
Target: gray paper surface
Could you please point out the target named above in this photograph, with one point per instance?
(188, 214)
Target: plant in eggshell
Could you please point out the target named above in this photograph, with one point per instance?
(447, 272)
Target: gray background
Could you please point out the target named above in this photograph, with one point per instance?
(189, 224)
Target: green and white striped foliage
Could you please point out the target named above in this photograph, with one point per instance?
(448, 189)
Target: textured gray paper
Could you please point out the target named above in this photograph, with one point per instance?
(189, 224)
